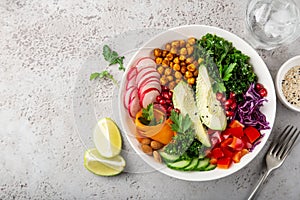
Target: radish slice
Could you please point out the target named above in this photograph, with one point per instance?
(153, 84)
(131, 73)
(144, 72)
(133, 94)
(147, 76)
(131, 82)
(144, 62)
(147, 81)
(134, 107)
(149, 96)
(127, 96)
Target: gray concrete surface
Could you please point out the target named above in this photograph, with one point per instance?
(46, 48)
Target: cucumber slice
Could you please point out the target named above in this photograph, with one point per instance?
(192, 165)
(168, 157)
(201, 156)
(202, 164)
(179, 165)
(210, 167)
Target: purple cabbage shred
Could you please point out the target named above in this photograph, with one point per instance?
(248, 112)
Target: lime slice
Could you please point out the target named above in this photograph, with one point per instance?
(107, 138)
(102, 166)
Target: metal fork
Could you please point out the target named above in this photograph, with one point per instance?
(277, 153)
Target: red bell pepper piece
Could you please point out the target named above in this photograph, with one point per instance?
(217, 153)
(227, 152)
(252, 133)
(224, 163)
(226, 142)
(236, 131)
(235, 123)
(237, 144)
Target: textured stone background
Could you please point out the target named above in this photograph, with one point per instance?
(44, 46)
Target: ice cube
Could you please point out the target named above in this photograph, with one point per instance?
(262, 13)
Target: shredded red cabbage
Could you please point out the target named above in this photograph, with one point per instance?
(248, 112)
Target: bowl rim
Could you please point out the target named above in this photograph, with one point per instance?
(279, 77)
(237, 41)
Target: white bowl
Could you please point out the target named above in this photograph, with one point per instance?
(295, 61)
(183, 32)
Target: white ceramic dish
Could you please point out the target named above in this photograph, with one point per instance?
(183, 32)
(295, 61)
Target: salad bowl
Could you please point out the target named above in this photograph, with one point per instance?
(259, 67)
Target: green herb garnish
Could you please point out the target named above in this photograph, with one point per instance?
(112, 57)
(148, 117)
(182, 125)
(103, 74)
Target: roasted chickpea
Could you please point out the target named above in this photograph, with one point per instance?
(189, 60)
(187, 45)
(163, 80)
(157, 52)
(169, 56)
(168, 46)
(183, 51)
(168, 71)
(178, 75)
(181, 43)
(160, 69)
(191, 41)
(196, 73)
(164, 53)
(182, 64)
(190, 50)
(188, 74)
(178, 80)
(191, 81)
(200, 60)
(173, 50)
(176, 60)
(183, 69)
(191, 67)
(171, 64)
(158, 60)
(170, 78)
(175, 44)
(172, 85)
(176, 67)
(165, 63)
(182, 57)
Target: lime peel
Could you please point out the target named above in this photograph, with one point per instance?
(102, 166)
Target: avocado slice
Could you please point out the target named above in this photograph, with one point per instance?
(183, 99)
(209, 108)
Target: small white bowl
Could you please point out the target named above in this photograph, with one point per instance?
(295, 61)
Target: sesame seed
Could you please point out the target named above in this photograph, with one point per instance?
(291, 86)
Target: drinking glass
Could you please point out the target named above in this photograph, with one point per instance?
(272, 23)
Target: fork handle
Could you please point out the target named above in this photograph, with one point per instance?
(258, 186)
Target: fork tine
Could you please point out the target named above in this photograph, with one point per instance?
(275, 145)
(288, 149)
(283, 144)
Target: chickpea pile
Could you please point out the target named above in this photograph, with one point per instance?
(176, 62)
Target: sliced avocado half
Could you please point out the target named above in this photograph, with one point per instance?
(209, 108)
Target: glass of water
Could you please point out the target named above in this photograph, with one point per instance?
(271, 23)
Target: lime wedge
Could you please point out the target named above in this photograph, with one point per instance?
(102, 166)
(107, 138)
